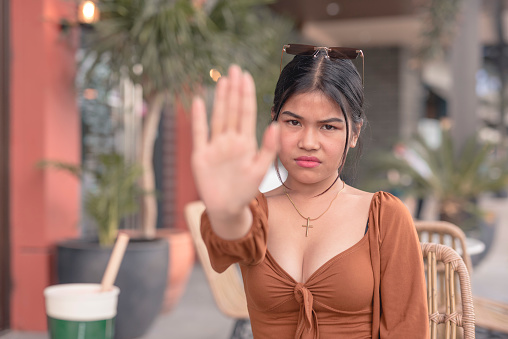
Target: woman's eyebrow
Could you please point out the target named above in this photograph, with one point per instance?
(327, 121)
(291, 114)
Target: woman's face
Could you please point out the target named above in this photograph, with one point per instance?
(313, 136)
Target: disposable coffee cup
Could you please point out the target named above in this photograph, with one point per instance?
(81, 311)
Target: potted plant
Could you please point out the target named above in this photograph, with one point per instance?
(143, 273)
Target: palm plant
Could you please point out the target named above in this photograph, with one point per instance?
(454, 177)
(170, 46)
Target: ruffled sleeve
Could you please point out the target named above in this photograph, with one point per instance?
(402, 291)
(248, 250)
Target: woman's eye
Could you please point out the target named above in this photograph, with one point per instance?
(293, 122)
(329, 127)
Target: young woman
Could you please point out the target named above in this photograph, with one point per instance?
(319, 258)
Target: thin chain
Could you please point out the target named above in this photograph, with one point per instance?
(312, 219)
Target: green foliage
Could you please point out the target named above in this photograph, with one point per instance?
(177, 44)
(455, 177)
(75, 170)
(114, 196)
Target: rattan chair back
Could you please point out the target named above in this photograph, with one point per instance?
(489, 314)
(443, 232)
(455, 314)
(227, 287)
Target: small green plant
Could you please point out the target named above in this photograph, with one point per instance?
(114, 196)
(454, 177)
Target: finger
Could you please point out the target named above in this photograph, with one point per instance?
(249, 107)
(233, 99)
(219, 106)
(269, 148)
(199, 124)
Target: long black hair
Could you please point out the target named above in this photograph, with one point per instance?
(338, 79)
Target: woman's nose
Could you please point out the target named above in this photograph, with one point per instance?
(309, 139)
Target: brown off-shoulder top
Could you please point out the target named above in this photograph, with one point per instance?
(374, 289)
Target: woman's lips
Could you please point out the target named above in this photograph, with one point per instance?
(307, 162)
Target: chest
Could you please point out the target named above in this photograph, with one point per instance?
(300, 246)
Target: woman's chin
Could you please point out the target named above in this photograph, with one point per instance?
(311, 179)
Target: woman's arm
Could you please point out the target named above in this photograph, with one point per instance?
(227, 165)
(250, 249)
(402, 280)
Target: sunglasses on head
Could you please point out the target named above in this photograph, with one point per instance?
(330, 52)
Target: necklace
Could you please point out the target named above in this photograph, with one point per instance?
(309, 219)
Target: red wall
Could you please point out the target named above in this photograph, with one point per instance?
(44, 204)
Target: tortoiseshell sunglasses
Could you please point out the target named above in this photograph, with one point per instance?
(331, 52)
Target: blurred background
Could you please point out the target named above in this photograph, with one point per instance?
(94, 102)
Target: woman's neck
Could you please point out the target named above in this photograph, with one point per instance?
(305, 190)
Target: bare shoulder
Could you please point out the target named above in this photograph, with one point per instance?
(356, 203)
(275, 201)
(278, 191)
(275, 196)
(358, 195)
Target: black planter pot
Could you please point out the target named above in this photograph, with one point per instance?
(142, 278)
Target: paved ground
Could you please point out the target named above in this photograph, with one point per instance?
(490, 277)
(196, 316)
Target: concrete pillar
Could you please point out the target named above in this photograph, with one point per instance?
(465, 62)
(410, 100)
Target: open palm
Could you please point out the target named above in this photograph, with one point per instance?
(228, 166)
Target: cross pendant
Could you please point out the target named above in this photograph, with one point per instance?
(308, 226)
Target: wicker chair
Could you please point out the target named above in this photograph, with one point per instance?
(427, 231)
(454, 316)
(490, 314)
(227, 287)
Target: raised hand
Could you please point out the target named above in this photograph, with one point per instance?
(228, 166)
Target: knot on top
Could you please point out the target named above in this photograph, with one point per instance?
(303, 295)
(307, 319)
